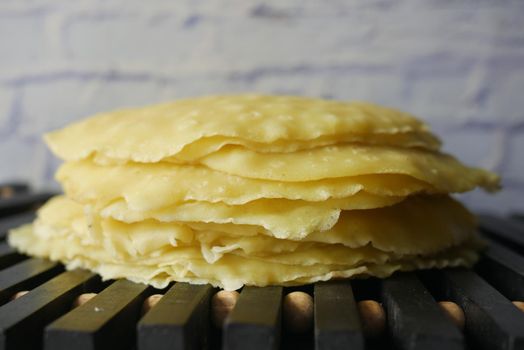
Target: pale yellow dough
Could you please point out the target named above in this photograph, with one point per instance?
(147, 187)
(68, 232)
(254, 190)
(392, 229)
(266, 123)
(283, 218)
(231, 271)
(440, 170)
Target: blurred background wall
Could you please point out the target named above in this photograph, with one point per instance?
(457, 64)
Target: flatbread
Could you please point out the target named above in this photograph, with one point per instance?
(147, 187)
(283, 218)
(230, 272)
(417, 225)
(153, 133)
(442, 171)
(395, 229)
(254, 190)
(208, 145)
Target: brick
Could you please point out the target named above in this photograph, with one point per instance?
(21, 159)
(47, 166)
(372, 83)
(62, 99)
(118, 92)
(6, 101)
(506, 201)
(134, 39)
(23, 40)
(476, 30)
(439, 97)
(55, 103)
(480, 147)
(203, 43)
(504, 84)
(288, 41)
(200, 85)
(514, 169)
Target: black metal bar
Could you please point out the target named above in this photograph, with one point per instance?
(414, 318)
(9, 256)
(492, 321)
(517, 216)
(26, 275)
(22, 202)
(12, 188)
(12, 221)
(105, 322)
(22, 320)
(180, 320)
(255, 322)
(502, 229)
(504, 269)
(337, 322)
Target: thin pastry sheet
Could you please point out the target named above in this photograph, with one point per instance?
(147, 187)
(230, 272)
(285, 123)
(442, 171)
(157, 253)
(283, 218)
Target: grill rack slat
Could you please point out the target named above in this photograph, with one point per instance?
(12, 221)
(255, 320)
(26, 275)
(182, 315)
(180, 320)
(9, 256)
(504, 269)
(12, 189)
(337, 323)
(416, 320)
(508, 231)
(492, 321)
(23, 202)
(105, 322)
(22, 320)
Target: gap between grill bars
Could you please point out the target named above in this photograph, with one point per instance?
(114, 316)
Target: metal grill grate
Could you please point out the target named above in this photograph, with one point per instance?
(114, 318)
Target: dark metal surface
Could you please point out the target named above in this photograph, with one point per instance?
(44, 318)
(504, 269)
(255, 321)
(508, 231)
(180, 320)
(22, 320)
(22, 202)
(12, 189)
(337, 323)
(9, 255)
(25, 276)
(12, 221)
(492, 321)
(105, 322)
(415, 320)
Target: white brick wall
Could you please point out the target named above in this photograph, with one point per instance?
(457, 64)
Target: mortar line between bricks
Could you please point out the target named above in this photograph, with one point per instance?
(248, 75)
(13, 115)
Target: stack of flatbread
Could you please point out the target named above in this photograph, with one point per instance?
(254, 190)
